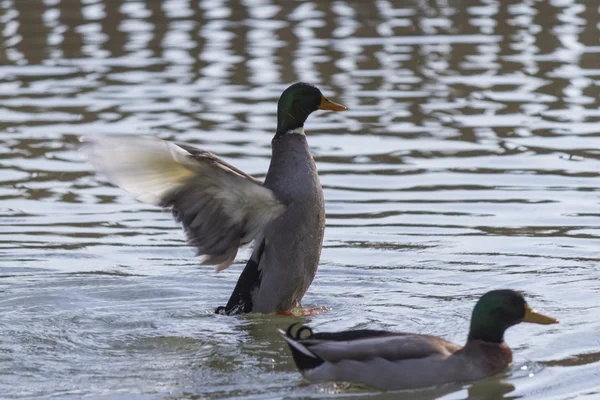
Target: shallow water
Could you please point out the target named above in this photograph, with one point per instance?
(469, 160)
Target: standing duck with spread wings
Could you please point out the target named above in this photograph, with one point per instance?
(223, 208)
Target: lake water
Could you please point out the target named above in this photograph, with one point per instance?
(469, 160)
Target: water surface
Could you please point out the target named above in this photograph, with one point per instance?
(468, 160)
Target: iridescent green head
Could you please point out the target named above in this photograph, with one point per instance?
(497, 311)
(297, 102)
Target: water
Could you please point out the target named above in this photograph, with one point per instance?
(468, 160)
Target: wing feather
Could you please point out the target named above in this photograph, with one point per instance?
(219, 206)
(393, 348)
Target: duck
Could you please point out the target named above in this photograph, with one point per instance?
(222, 208)
(392, 361)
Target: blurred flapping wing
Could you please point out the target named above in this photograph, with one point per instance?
(220, 207)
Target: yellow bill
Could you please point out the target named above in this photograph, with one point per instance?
(537, 318)
(327, 104)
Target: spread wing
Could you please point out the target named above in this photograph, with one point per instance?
(220, 207)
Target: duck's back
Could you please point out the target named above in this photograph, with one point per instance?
(404, 361)
(292, 242)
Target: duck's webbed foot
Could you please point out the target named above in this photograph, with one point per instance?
(301, 312)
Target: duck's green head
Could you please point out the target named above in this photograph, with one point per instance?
(497, 311)
(297, 102)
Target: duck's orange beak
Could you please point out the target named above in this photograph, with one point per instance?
(327, 104)
(537, 318)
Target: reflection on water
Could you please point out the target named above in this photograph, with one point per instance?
(468, 160)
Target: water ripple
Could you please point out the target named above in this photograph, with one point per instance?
(468, 160)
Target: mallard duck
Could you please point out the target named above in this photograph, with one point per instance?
(388, 360)
(222, 208)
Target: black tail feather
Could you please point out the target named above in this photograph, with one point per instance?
(303, 357)
(241, 299)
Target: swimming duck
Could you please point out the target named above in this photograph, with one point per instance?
(388, 360)
(222, 208)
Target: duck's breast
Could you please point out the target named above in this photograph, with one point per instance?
(293, 241)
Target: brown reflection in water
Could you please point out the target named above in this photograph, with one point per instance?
(239, 42)
(285, 54)
(422, 84)
(196, 50)
(32, 30)
(575, 360)
(116, 39)
(159, 30)
(523, 37)
(71, 18)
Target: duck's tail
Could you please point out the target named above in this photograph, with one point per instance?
(304, 358)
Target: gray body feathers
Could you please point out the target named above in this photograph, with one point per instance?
(293, 241)
(391, 361)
